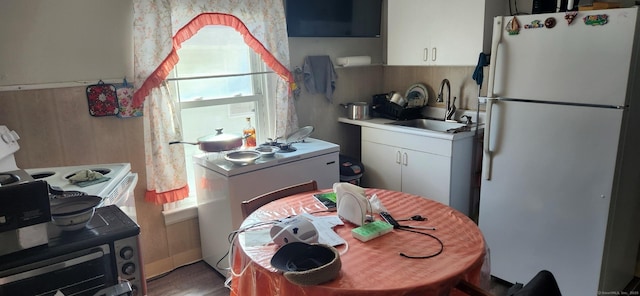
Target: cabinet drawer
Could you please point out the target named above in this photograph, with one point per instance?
(407, 141)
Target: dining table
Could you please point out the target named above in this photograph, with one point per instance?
(413, 260)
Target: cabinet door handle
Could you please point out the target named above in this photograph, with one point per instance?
(405, 159)
(425, 54)
(398, 157)
(434, 51)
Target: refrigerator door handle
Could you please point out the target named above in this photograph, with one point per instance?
(495, 42)
(496, 39)
(487, 154)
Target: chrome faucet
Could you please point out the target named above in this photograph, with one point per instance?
(451, 108)
(445, 81)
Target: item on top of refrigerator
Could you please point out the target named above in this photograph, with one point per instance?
(543, 6)
(600, 5)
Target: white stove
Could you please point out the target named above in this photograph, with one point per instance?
(309, 148)
(117, 190)
(58, 176)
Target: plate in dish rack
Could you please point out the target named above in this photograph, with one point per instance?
(417, 95)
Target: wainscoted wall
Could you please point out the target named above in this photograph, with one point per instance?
(56, 130)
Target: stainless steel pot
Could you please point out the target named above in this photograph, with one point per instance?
(216, 143)
(357, 110)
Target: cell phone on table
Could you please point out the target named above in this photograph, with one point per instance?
(327, 199)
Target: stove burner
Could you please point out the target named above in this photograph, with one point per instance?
(66, 194)
(56, 192)
(6, 179)
(42, 175)
(284, 147)
(102, 171)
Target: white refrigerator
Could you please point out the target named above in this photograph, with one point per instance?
(561, 150)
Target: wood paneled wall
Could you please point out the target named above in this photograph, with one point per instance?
(56, 130)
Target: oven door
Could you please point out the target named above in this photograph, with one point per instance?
(79, 273)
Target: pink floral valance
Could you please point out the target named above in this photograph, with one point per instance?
(162, 25)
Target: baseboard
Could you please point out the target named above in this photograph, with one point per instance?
(165, 265)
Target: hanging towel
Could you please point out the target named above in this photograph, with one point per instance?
(319, 75)
(478, 76)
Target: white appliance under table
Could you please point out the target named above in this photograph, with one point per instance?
(222, 186)
(560, 167)
(118, 190)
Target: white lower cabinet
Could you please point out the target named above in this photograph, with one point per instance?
(437, 169)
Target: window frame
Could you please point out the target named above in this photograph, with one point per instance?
(187, 208)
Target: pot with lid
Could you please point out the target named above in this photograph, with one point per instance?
(216, 143)
(357, 110)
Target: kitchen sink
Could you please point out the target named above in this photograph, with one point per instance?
(432, 124)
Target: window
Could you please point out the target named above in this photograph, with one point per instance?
(218, 86)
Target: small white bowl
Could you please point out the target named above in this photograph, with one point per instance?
(267, 151)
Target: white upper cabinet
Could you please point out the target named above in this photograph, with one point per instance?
(439, 32)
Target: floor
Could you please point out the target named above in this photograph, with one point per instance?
(196, 279)
(199, 279)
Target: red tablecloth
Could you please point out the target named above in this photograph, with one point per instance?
(374, 267)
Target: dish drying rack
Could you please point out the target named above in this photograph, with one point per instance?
(382, 107)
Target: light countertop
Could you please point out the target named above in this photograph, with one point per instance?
(382, 123)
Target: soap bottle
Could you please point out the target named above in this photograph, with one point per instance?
(249, 134)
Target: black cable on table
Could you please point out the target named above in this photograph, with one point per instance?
(424, 233)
